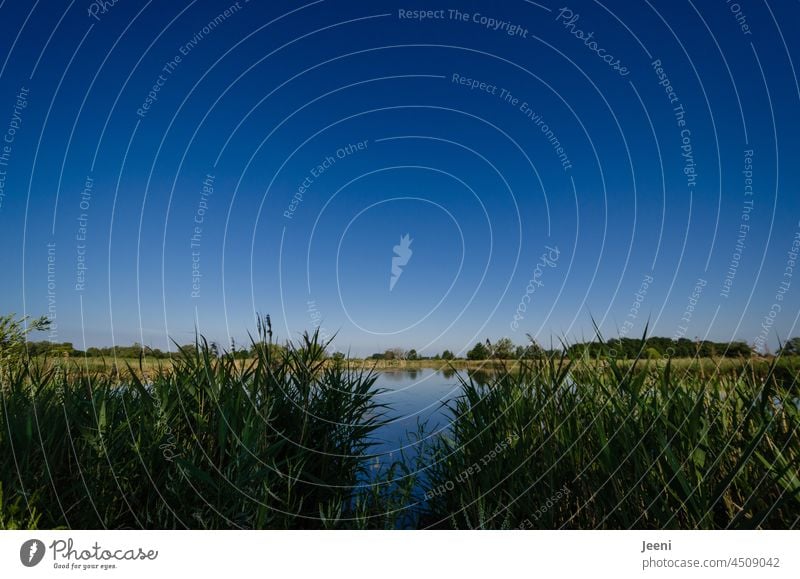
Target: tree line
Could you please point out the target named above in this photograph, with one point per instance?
(656, 347)
(629, 348)
(66, 349)
(503, 349)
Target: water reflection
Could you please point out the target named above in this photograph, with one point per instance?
(415, 396)
(481, 376)
(404, 375)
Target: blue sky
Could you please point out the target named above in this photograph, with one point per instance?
(281, 150)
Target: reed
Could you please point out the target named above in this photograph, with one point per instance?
(277, 442)
(282, 440)
(600, 443)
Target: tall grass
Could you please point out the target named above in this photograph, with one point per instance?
(283, 440)
(277, 442)
(598, 443)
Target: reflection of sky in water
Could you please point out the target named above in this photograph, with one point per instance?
(413, 396)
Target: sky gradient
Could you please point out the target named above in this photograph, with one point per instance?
(171, 167)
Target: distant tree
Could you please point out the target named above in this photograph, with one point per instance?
(338, 356)
(706, 349)
(46, 348)
(503, 349)
(398, 353)
(684, 348)
(479, 352)
(448, 355)
(738, 349)
(531, 351)
(791, 347)
(412, 355)
(681, 348)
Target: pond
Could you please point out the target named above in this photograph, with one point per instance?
(415, 397)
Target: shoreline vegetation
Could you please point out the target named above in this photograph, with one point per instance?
(145, 368)
(503, 354)
(284, 439)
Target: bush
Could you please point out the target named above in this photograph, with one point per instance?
(479, 352)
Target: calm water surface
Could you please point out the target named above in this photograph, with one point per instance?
(413, 397)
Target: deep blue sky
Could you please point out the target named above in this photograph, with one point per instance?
(263, 97)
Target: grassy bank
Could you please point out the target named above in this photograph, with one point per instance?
(146, 366)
